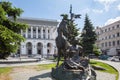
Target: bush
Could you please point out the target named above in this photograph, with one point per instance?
(4, 55)
(97, 52)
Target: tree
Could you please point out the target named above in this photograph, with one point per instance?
(88, 37)
(10, 37)
(73, 33)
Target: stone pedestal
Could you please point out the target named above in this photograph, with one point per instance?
(62, 74)
(65, 74)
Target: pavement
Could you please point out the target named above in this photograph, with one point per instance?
(23, 62)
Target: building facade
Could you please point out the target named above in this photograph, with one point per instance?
(109, 38)
(40, 37)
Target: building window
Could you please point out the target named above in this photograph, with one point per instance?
(39, 30)
(109, 36)
(118, 26)
(106, 37)
(118, 42)
(105, 44)
(101, 31)
(109, 43)
(113, 36)
(48, 31)
(43, 34)
(118, 34)
(48, 45)
(43, 31)
(34, 30)
(109, 29)
(113, 43)
(29, 30)
(102, 44)
(102, 38)
(105, 30)
(113, 27)
(48, 51)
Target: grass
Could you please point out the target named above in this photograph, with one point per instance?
(109, 69)
(5, 70)
(46, 66)
(4, 73)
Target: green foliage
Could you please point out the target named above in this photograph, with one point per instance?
(10, 38)
(96, 51)
(73, 33)
(88, 37)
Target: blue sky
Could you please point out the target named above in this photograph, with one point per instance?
(99, 11)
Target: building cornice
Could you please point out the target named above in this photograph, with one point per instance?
(38, 19)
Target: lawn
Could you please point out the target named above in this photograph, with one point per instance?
(46, 66)
(109, 69)
(4, 73)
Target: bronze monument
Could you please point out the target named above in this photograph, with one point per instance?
(74, 66)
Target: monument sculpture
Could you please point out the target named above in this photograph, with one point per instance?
(74, 66)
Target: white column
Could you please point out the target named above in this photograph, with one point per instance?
(23, 49)
(34, 50)
(45, 50)
(31, 32)
(26, 34)
(52, 50)
(46, 33)
(51, 33)
(36, 32)
(41, 32)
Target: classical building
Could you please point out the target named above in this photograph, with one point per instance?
(109, 38)
(40, 37)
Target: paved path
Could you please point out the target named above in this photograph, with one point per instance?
(24, 64)
(45, 75)
(31, 75)
(116, 65)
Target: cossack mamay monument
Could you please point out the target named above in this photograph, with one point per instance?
(40, 37)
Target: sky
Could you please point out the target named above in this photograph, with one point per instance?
(100, 12)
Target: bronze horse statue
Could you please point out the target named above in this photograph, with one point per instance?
(61, 42)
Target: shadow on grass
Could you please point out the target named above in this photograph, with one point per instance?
(93, 62)
(41, 77)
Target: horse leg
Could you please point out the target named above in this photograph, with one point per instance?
(59, 55)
